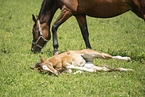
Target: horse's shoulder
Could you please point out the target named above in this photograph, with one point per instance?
(71, 4)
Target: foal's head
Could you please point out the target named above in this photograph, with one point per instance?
(41, 35)
(46, 66)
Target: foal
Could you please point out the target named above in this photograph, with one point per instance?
(79, 60)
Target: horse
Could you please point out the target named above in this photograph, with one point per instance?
(79, 9)
(79, 60)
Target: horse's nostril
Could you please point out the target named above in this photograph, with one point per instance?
(35, 50)
(32, 49)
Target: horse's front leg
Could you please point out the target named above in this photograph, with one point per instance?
(84, 29)
(55, 41)
(64, 15)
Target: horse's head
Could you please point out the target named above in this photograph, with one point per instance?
(46, 66)
(41, 35)
(139, 8)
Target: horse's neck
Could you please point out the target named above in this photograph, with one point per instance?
(47, 11)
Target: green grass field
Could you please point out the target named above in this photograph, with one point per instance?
(123, 35)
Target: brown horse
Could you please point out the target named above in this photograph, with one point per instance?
(79, 9)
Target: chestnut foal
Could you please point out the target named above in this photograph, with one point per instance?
(79, 60)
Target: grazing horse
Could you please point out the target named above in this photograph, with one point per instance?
(79, 9)
(79, 60)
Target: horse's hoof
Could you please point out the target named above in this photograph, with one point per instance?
(57, 52)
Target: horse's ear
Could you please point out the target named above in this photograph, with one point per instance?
(33, 17)
(41, 59)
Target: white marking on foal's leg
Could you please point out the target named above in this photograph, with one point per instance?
(123, 69)
(90, 65)
(121, 58)
(80, 68)
(68, 71)
(79, 71)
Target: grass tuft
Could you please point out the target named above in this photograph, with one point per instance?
(122, 35)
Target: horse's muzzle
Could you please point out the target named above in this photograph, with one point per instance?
(35, 50)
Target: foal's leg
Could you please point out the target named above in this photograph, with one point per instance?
(81, 68)
(90, 65)
(84, 29)
(64, 15)
(89, 55)
(69, 66)
(115, 57)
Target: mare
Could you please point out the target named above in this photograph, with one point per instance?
(79, 9)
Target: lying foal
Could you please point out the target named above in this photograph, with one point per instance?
(80, 60)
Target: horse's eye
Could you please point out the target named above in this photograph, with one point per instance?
(33, 31)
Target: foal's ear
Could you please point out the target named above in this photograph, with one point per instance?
(41, 59)
(37, 65)
(33, 17)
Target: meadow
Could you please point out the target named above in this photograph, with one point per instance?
(122, 35)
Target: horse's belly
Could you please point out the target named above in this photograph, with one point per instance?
(105, 14)
(103, 9)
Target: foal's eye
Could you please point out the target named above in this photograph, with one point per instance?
(49, 64)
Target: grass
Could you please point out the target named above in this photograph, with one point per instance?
(123, 35)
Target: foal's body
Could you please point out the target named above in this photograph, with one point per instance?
(80, 60)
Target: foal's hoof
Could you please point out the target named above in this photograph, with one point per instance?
(57, 52)
(128, 59)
